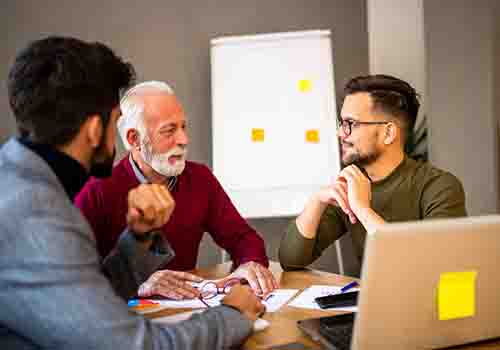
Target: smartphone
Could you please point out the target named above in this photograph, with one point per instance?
(338, 300)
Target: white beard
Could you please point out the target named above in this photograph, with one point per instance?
(159, 162)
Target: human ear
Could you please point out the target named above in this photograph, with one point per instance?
(133, 139)
(94, 130)
(391, 133)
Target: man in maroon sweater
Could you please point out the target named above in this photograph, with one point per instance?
(153, 129)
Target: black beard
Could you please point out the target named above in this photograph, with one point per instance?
(361, 160)
(103, 168)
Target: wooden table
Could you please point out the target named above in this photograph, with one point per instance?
(283, 328)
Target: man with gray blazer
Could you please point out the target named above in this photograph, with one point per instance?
(55, 293)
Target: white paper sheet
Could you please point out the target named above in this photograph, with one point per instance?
(306, 298)
(274, 301)
(278, 298)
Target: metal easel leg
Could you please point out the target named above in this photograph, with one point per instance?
(340, 258)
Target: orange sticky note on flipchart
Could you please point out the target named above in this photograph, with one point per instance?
(312, 136)
(305, 85)
(258, 135)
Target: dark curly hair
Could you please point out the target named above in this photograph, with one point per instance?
(390, 95)
(56, 83)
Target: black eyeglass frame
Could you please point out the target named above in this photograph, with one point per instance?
(346, 124)
(210, 289)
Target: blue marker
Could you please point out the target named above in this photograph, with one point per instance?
(133, 302)
(348, 286)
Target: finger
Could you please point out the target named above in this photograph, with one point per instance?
(153, 202)
(186, 291)
(144, 290)
(187, 276)
(144, 206)
(164, 202)
(262, 281)
(193, 292)
(178, 278)
(342, 189)
(253, 281)
(352, 173)
(342, 184)
(357, 171)
(342, 201)
(172, 289)
(330, 193)
(276, 284)
(166, 195)
(172, 294)
(346, 208)
(150, 203)
(133, 215)
(339, 179)
(353, 218)
(162, 195)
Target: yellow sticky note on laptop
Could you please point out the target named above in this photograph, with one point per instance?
(457, 295)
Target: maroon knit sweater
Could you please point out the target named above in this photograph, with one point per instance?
(201, 205)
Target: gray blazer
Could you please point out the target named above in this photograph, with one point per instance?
(53, 294)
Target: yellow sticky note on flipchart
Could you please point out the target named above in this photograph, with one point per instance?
(457, 295)
(258, 135)
(305, 85)
(312, 136)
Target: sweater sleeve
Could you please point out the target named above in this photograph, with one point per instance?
(297, 252)
(129, 265)
(229, 230)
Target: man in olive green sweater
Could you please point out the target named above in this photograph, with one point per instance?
(379, 182)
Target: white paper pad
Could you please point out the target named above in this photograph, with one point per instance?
(306, 298)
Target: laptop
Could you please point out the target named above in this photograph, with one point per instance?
(400, 304)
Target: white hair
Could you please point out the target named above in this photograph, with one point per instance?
(133, 109)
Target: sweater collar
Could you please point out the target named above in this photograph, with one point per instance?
(68, 170)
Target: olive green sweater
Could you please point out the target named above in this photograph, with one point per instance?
(413, 191)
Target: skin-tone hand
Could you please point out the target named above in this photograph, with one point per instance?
(359, 197)
(149, 207)
(170, 284)
(358, 188)
(244, 299)
(351, 191)
(337, 194)
(260, 279)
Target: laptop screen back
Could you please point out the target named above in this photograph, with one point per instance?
(406, 265)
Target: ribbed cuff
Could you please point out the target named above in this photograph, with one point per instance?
(141, 261)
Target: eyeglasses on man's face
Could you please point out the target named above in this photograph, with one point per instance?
(347, 124)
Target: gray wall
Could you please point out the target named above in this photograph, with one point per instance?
(461, 64)
(496, 86)
(169, 40)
